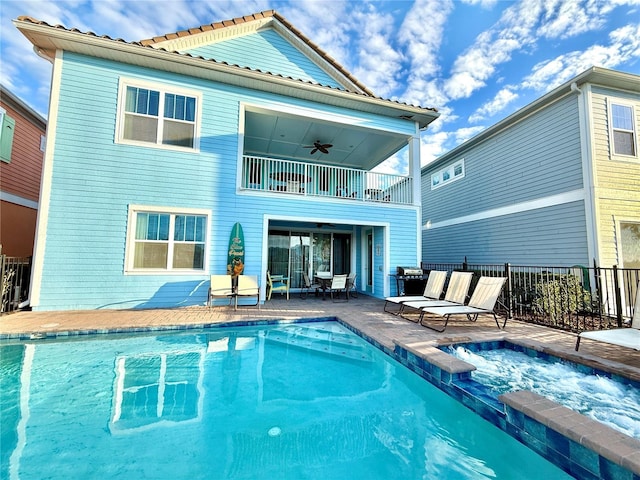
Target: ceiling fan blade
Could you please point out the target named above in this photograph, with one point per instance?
(322, 149)
(315, 150)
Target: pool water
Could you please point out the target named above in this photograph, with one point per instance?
(296, 401)
(599, 397)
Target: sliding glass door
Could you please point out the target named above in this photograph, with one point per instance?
(293, 252)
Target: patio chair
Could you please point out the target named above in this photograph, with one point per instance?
(456, 294)
(484, 299)
(432, 291)
(351, 285)
(248, 287)
(308, 286)
(623, 337)
(277, 283)
(220, 287)
(338, 285)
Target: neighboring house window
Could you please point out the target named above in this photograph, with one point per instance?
(630, 244)
(43, 143)
(162, 241)
(448, 174)
(7, 128)
(623, 131)
(158, 116)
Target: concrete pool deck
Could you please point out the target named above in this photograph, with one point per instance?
(366, 315)
(363, 313)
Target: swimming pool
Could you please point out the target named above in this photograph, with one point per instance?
(299, 401)
(614, 402)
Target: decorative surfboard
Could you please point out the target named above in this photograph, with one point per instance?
(235, 259)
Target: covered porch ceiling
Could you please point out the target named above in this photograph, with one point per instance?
(287, 136)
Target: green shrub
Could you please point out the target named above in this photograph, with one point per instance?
(560, 294)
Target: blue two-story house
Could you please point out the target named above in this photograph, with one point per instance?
(157, 148)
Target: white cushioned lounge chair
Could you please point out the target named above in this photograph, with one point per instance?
(484, 299)
(432, 291)
(248, 287)
(220, 287)
(457, 292)
(624, 337)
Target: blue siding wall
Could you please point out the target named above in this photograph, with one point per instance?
(95, 180)
(267, 51)
(526, 238)
(531, 160)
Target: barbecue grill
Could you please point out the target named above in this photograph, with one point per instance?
(410, 280)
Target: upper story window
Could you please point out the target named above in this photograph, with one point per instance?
(156, 115)
(623, 130)
(162, 240)
(448, 174)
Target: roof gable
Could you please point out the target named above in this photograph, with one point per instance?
(207, 40)
(267, 51)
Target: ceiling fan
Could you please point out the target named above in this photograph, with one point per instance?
(319, 147)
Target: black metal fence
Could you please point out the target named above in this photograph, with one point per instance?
(574, 298)
(15, 275)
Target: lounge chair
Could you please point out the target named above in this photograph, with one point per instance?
(623, 337)
(220, 287)
(339, 284)
(277, 283)
(432, 291)
(351, 285)
(248, 287)
(456, 294)
(308, 286)
(484, 299)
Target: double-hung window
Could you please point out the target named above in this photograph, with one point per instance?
(159, 116)
(623, 132)
(166, 241)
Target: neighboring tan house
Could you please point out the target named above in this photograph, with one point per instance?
(157, 148)
(22, 142)
(557, 183)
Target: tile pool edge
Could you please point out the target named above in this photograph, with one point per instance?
(77, 333)
(543, 424)
(577, 444)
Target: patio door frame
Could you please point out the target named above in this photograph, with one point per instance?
(362, 227)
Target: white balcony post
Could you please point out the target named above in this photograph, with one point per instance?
(414, 170)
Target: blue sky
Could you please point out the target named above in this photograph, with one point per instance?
(476, 61)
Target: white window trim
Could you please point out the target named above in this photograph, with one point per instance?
(440, 174)
(130, 246)
(161, 87)
(622, 156)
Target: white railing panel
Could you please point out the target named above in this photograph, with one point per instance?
(299, 178)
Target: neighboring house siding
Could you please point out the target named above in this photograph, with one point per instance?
(500, 171)
(618, 179)
(545, 236)
(269, 52)
(532, 160)
(95, 180)
(20, 182)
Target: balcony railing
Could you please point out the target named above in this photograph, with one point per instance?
(299, 178)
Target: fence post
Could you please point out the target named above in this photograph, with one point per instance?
(616, 288)
(509, 300)
(465, 265)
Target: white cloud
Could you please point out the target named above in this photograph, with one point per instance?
(464, 134)
(433, 146)
(624, 46)
(378, 62)
(503, 98)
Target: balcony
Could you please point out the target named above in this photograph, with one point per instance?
(307, 179)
